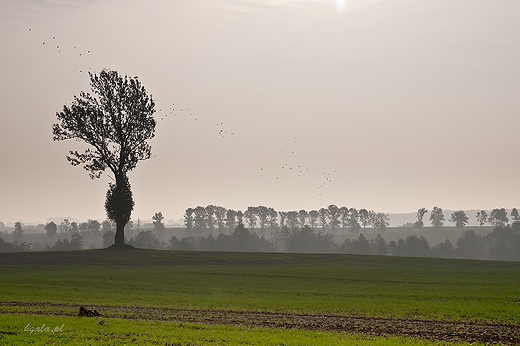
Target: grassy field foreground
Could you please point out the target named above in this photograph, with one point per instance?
(16, 330)
(421, 288)
(431, 289)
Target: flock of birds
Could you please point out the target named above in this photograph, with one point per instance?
(296, 170)
(291, 169)
(222, 132)
(54, 42)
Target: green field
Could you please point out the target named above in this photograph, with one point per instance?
(78, 331)
(345, 285)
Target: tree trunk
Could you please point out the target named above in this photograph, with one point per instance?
(120, 234)
(120, 223)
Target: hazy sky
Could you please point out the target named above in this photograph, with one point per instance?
(389, 105)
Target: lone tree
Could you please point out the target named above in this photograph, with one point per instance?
(116, 120)
(158, 224)
(437, 217)
(51, 229)
(420, 214)
(459, 218)
(18, 231)
(482, 217)
(498, 217)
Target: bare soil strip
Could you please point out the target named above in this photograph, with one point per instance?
(429, 330)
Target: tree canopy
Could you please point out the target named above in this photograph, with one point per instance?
(460, 218)
(116, 120)
(437, 217)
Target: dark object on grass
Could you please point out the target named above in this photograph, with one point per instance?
(84, 312)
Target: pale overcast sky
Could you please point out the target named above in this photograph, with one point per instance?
(388, 105)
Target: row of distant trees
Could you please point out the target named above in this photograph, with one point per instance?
(219, 218)
(67, 227)
(75, 243)
(264, 218)
(91, 226)
(77, 233)
(503, 243)
(497, 217)
(242, 239)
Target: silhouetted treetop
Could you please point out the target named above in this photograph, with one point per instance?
(116, 120)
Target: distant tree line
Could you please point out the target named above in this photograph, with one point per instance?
(497, 217)
(14, 246)
(292, 231)
(66, 230)
(242, 239)
(503, 243)
(265, 218)
(76, 243)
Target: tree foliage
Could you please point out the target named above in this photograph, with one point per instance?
(459, 218)
(51, 228)
(158, 221)
(420, 215)
(313, 218)
(482, 217)
(353, 220)
(116, 120)
(18, 230)
(364, 217)
(381, 221)
(64, 226)
(306, 239)
(498, 217)
(323, 217)
(333, 215)
(13, 247)
(231, 219)
(119, 202)
(158, 224)
(437, 217)
(188, 219)
(145, 240)
(75, 243)
(108, 238)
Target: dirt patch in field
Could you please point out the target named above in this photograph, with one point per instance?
(420, 329)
